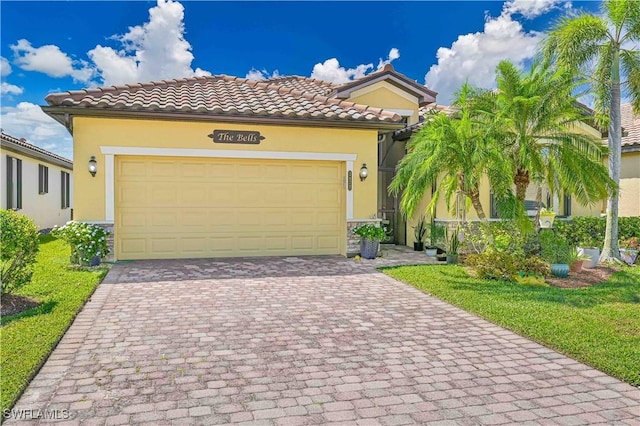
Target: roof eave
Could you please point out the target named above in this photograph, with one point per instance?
(60, 112)
(631, 148)
(11, 146)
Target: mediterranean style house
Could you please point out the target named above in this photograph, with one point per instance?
(223, 166)
(37, 183)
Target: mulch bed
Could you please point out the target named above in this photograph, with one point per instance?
(12, 304)
(584, 278)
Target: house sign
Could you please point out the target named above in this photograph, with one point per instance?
(236, 136)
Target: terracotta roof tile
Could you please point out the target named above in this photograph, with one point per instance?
(305, 84)
(35, 149)
(224, 95)
(631, 125)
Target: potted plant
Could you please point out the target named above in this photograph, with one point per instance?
(370, 237)
(577, 260)
(629, 250)
(419, 232)
(588, 247)
(547, 216)
(556, 251)
(452, 249)
(436, 232)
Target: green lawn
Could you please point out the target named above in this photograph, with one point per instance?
(599, 326)
(28, 338)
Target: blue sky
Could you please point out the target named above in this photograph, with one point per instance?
(57, 46)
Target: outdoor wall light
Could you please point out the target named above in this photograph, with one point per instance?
(93, 166)
(364, 172)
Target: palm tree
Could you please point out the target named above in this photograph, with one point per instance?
(450, 146)
(534, 118)
(605, 49)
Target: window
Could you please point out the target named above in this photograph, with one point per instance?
(14, 183)
(43, 179)
(567, 205)
(65, 190)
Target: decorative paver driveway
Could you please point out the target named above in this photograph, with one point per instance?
(290, 341)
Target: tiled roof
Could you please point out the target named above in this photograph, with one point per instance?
(35, 150)
(225, 96)
(631, 126)
(305, 84)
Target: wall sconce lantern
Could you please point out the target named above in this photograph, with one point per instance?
(364, 172)
(93, 166)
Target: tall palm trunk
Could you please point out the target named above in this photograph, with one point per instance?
(539, 205)
(611, 249)
(521, 180)
(477, 205)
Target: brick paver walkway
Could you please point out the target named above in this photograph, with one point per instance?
(291, 341)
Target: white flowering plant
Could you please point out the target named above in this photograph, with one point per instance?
(87, 241)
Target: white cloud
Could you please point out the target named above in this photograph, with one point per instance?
(10, 89)
(531, 8)
(394, 54)
(5, 67)
(473, 57)
(330, 70)
(50, 60)
(255, 74)
(155, 50)
(27, 120)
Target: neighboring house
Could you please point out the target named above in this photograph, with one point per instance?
(224, 166)
(36, 182)
(630, 166)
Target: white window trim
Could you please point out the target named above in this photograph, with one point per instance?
(111, 151)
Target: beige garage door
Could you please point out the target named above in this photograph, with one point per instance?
(192, 207)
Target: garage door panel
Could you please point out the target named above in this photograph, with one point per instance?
(194, 170)
(161, 195)
(164, 219)
(193, 195)
(328, 218)
(134, 248)
(133, 169)
(163, 170)
(194, 245)
(164, 244)
(328, 242)
(302, 242)
(184, 207)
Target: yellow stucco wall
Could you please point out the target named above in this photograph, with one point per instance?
(630, 184)
(385, 95)
(92, 133)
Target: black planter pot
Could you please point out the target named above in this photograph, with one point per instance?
(418, 246)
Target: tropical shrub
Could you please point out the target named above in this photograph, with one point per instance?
(370, 232)
(506, 266)
(588, 231)
(87, 241)
(502, 236)
(18, 250)
(554, 248)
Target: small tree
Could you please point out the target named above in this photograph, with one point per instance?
(451, 147)
(18, 250)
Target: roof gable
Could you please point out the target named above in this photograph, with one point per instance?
(425, 95)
